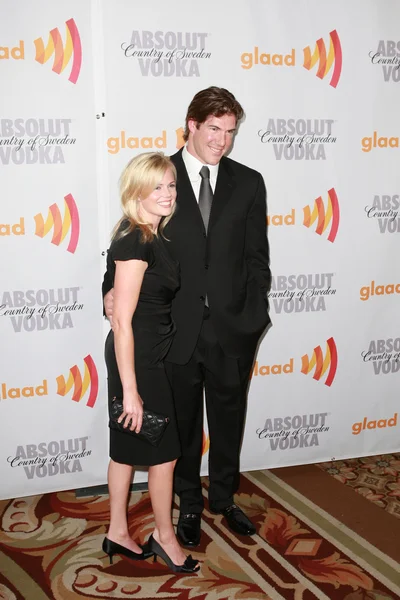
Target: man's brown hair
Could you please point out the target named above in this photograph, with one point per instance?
(214, 101)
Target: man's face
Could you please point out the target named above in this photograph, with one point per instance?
(212, 139)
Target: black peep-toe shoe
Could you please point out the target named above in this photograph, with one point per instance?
(112, 548)
(189, 566)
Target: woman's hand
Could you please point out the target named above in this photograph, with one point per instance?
(133, 411)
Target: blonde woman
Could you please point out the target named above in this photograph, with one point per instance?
(145, 279)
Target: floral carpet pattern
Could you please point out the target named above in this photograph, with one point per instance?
(377, 478)
(50, 548)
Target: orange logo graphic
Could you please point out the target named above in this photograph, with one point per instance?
(61, 226)
(13, 228)
(378, 290)
(277, 369)
(330, 215)
(367, 143)
(90, 377)
(373, 424)
(62, 53)
(124, 140)
(320, 363)
(180, 142)
(16, 53)
(334, 57)
(206, 443)
(25, 392)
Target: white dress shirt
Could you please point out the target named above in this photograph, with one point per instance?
(193, 166)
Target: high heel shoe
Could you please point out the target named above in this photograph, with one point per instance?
(111, 548)
(189, 566)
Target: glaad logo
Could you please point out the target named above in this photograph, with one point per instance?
(62, 53)
(17, 228)
(277, 369)
(40, 310)
(322, 365)
(298, 431)
(61, 226)
(374, 424)
(34, 141)
(324, 213)
(301, 293)
(75, 379)
(278, 220)
(384, 356)
(326, 60)
(81, 385)
(323, 216)
(27, 391)
(378, 290)
(367, 143)
(318, 361)
(387, 56)
(123, 141)
(385, 209)
(16, 52)
(167, 53)
(298, 139)
(51, 458)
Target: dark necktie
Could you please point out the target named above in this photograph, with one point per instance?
(205, 195)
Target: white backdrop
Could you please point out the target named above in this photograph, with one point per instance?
(322, 127)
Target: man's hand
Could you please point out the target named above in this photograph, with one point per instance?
(109, 305)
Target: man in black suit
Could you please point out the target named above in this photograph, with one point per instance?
(218, 235)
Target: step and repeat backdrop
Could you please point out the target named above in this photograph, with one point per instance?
(87, 86)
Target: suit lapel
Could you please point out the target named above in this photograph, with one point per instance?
(186, 200)
(223, 192)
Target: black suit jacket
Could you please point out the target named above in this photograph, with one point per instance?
(229, 264)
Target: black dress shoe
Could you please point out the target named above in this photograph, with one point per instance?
(189, 529)
(111, 548)
(189, 566)
(237, 520)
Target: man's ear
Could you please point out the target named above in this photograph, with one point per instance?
(192, 125)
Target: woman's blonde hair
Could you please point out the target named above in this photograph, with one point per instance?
(138, 180)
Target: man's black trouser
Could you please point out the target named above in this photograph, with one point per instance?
(226, 381)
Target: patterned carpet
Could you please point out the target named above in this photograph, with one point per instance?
(50, 548)
(377, 478)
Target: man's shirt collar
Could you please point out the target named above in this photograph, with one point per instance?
(193, 166)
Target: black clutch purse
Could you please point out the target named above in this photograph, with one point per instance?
(153, 425)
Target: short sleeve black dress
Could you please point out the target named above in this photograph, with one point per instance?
(153, 331)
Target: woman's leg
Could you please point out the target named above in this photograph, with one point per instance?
(119, 480)
(160, 488)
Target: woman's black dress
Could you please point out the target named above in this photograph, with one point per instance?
(153, 331)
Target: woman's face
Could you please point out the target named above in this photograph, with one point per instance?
(161, 200)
